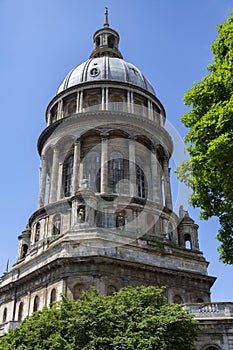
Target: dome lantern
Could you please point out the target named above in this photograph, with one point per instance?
(106, 41)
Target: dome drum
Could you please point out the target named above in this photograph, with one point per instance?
(110, 96)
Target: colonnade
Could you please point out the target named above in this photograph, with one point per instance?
(105, 98)
(159, 190)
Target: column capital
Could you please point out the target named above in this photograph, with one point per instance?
(104, 136)
(132, 138)
(77, 141)
(154, 148)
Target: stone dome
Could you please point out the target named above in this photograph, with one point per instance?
(106, 68)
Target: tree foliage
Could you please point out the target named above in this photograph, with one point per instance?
(209, 171)
(134, 318)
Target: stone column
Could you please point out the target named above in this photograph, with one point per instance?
(103, 100)
(60, 190)
(76, 166)
(43, 173)
(77, 102)
(80, 173)
(81, 102)
(49, 119)
(104, 163)
(60, 109)
(128, 102)
(150, 111)
(132, 102)
(157, 196)
(106, 102)
(54, 176)
(167, 185)
(132, 167)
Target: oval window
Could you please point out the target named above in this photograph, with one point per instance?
(94, 72)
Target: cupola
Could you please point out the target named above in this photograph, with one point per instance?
(106, 41)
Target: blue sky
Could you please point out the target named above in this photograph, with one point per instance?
(41, 41)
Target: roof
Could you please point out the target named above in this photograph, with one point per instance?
(105, 68)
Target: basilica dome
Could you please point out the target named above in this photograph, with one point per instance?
(106, 68)
(106, 63)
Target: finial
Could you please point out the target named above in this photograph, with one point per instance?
(7, 265)
(106, 18)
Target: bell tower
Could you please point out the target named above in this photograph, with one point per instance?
(105, 215)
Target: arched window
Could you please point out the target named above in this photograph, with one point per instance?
(97, 41)
(4, 317)
(141, 182)
(94, 104)
(24, 250)
(92, 170)
(53, 114)
(200, 300)
(212, 347)
(188, 243)
(67, 175)
(56, 224)
(177, 299)
(116, 103)
(71, 108)
(111, 290)
(53, 296)
(111, 41)
(118, 172)
(37, 232)
(20, 311)
(36, 303)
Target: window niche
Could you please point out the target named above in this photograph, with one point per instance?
(141, 183)
(81, 214)
(36, 303)
(54, 114)
(24, 250)
(37, 232)
(67, 175)
(120, 220)
(4, 317)
(188, 242)
(20, 311)
(69, 105)
(177, 299)
(56, 225)
(111, 290)
(53, 296)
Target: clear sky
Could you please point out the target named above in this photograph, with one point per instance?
(42, 40)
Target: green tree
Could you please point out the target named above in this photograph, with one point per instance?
(134, 318)
(209, 171)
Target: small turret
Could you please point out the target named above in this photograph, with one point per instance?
(187, 231)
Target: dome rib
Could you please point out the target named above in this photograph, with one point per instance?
(106, 68)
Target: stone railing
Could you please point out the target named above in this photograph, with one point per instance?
(4, 327)
(136, 109)
(224, 309)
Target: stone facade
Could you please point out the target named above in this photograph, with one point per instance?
(215, 322)
(105, 216)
